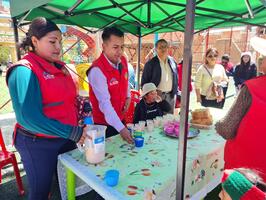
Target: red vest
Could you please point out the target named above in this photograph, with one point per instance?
(117, 86)
(58, 90)
(248, 149)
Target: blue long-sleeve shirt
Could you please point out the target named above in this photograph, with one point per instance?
(27, 103)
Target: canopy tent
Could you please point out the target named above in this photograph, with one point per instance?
(150, 15)
(143, 17)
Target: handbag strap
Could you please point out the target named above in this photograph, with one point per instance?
(208, 71)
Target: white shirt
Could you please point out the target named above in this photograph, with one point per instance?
(99, 85)
(166, 83)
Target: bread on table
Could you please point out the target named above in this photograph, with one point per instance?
(201, 116)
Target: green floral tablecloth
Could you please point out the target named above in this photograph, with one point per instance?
(153, 166)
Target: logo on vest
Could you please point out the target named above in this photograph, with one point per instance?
(113, 81)
(126, 75)
(47, 76)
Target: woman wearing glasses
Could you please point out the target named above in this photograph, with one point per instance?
(210, 80)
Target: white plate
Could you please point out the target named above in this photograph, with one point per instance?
(191, 134)
(200, 126)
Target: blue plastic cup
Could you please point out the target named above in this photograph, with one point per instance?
(111, 177)
(139, 141)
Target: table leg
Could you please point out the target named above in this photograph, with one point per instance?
(71, 184)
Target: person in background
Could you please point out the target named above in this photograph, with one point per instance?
(244, 126)
(260, 71)
(108, 85)
(161, 70)
(229, 69)
(179, 72)
(244, 71)
(242, 184)
(43, 95)
(131, 73)
(151, 105)
(1, 70)
(209, 81)
(228, 66)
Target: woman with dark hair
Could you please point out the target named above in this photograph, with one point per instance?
(44, 100)
(209, 80)
(244, 71)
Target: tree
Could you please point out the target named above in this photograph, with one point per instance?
(4, 54)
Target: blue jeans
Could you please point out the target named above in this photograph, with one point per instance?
(39, 157)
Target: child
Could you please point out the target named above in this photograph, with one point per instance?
(151, 105)
(242, 184)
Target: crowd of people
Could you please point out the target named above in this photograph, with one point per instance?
(44, 94)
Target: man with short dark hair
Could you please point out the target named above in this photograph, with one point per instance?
(228, 66)
(162, 71)
(108, 82)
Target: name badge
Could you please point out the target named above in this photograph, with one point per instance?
(113, 81)
(47, 76)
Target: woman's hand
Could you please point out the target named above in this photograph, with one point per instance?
(83, 136)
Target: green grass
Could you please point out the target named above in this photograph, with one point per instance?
(4, 97)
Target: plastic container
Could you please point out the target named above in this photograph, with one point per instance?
(111, 177)
(150, 125)
(94, 144)
(139, 141)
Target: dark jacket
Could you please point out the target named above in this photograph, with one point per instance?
(243, 73)
(152, 73)
(145, 111)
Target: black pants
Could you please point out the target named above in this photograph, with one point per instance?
(210, 103)
(110, 131)
(224, 91)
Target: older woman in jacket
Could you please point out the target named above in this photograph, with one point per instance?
(244, 125)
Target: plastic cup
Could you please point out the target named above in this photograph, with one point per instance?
(159, 120)
(138, 134)
(142, 125)
(150, 125)
(139, 141)
(111, 177)
(156, 122)
(130, 128)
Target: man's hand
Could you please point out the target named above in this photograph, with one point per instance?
(127, 104)
(125, 134)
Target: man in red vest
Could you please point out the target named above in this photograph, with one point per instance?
(108, 83)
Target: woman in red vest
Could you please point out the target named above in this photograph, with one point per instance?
(44, 100)
(244, 126)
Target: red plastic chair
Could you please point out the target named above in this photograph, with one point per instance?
(135, 98)
(6, 158)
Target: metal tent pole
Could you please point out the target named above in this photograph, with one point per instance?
(207, 40)
(186, 74)
(15, 28)
(230, 43)
(138, 64)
